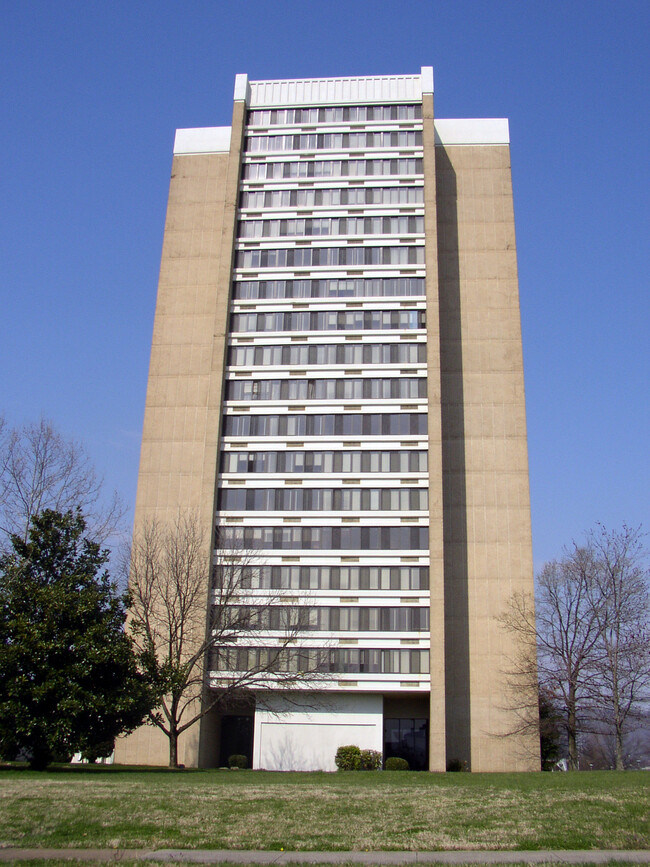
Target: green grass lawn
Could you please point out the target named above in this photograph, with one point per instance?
(128, 808)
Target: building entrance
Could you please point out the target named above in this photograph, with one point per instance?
(236, 738)
(407, 738)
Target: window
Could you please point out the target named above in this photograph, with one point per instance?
(308, 354)
(326, 538)
(349, 320)
(325, 659)
(333, 141)
(322, 499)
(329, 256)
(334, 424)
(346, 288)
(333, 197)
(331, 226)
(333, 114)
(253, 171)
(334, 619)
(338, 578)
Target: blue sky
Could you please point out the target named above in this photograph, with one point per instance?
(91, 95)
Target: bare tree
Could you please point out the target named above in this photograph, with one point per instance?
(621, 605)
(598, 751)
(586, 638)
(41, 469)
(563, 627)
(4, 439)
(171, 587)
(598, 748)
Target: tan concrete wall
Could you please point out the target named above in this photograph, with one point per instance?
(437, 736)
(178, 460)
(480, 538)
(487, 532)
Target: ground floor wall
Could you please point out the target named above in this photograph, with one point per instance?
(148, 745)
(299, 733)
(293, 732)
(302, 731)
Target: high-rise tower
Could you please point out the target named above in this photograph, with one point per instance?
(336, 379)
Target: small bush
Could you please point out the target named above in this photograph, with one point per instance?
(370, 760)
(348, 758)
(394, 763)
(455, 765)
(237, 761)
(98, 751)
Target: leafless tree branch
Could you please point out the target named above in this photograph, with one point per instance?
(171, 588)
(41, 469)
(587, 637)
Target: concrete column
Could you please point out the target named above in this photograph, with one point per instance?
(437, 752)
(488, 547)
(180, 441)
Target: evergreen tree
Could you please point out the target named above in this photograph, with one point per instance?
(69, 679)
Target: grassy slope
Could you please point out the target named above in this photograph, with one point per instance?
(85, 807)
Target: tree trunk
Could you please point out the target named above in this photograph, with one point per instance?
(173, 748)
(618, 723)
(620, 764)
(41, 758)
(572, 726)
(573, 750)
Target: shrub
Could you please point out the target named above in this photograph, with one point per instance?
(456, 765)
(394, 763)
(348, 758)
(98, 751)
(237, 761)
(370, 760)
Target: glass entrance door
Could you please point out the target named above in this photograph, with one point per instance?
(236, 737)
(407, 738)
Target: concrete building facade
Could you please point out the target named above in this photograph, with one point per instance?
(336, 382)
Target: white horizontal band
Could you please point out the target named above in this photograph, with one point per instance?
(462, 131)
(202, 140)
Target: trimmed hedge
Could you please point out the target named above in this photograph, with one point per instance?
(394, 763)
(237, 761)
(348, 758)
(370, 760)
(351, 758)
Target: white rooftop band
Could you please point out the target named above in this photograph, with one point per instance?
(367, 89)
(448, 131)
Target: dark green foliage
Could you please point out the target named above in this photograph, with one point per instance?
(394, 763)
(237, 761)
(455, 765)
(68, 675)
(370, 760)
(99, 750)
(550, 731)
(348, 758)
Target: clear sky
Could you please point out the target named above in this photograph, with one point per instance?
(90, 96)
